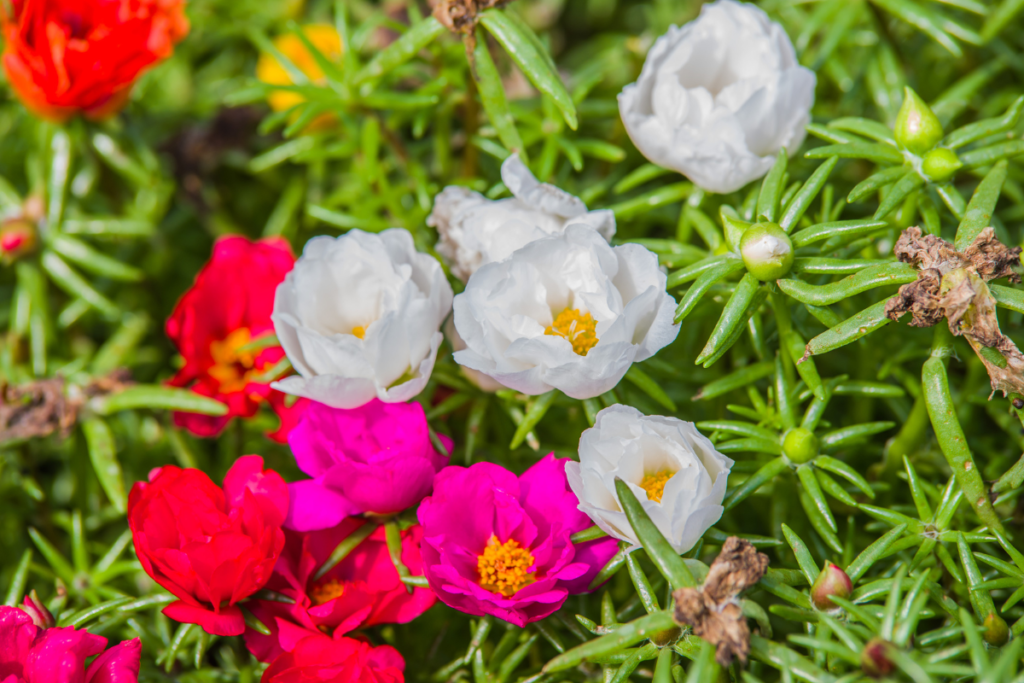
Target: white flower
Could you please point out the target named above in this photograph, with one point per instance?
(567, 312)
(719, 97)
(475, 230)
(675, 472)
(359, 318)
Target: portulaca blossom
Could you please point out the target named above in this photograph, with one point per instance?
(565, 312)
(475, 230)
(359, 318)
(719, 97)
(676, 473)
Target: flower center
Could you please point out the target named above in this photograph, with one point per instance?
(359, 331)
(232, 368)
(579, 328)
(325, 591)
(654, 484)
(504, 567)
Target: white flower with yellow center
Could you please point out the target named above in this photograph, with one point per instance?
(475, 230)
(676, 473)
(565, 312)
(719, 97)
(359, 318)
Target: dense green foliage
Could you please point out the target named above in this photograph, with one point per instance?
(912, 478)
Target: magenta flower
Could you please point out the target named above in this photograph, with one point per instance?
(375, 458)
(30, 654)
(498, 544)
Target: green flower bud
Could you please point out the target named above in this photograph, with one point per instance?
(940, 164)
(800, 445)
(996, 631)
(917, 127)
(767, 251)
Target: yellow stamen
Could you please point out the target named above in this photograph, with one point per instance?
(232, 368)
(579, 328)
(359, 331)
(325, 591)
(654, 484)
(504, 567)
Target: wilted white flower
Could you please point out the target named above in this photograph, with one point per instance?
(359, 318)
(676, 473)
(567, 312)
(719, 97)
(475, 230)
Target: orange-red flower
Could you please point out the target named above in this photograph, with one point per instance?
(68, 56)
(228, 307)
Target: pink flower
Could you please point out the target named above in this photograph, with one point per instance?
(362, 590)
(499, 544)
(318, 658)
(375, 458)
(30, 654)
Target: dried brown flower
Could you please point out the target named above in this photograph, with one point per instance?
(40, 408)
(713, 610)
(952, 285)
(460, 16)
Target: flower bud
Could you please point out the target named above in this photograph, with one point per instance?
(832, 581)
(767, 251)
(17, 238)
(666, 637)
(917, 128)
(996, 631)
(940, 164)
(41, 617)
(874, 659)
(800, 445)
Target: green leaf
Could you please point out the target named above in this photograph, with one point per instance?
(771, 189)
(981, 207)
(667, 560)
(850, 330)
(624, 636)
(882, 154)
(927, 21)
(534, 413)
(521, 48)
(869, 278)
(92, 260)
(649, 386)
(693, 296)
(19, 579)
(492, 95)
(75, 285)
(738, 378)
(157, 397)
(103, 454)
(401, 50)
(796, 208)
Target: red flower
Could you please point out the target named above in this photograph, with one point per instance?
(319, 658)
(69, 56)
(209, 547)
(229, 306)
(361, 590)
(30, 654)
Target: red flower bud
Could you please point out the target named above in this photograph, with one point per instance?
(319, 658)
(831, 581)
(210, 547)
(67, 56)
(874, 659)
(17, 237)
(36, 610)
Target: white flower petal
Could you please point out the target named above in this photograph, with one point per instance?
(625, 444)
(475, 231)
(357, 314)
(719, 97)
(506, 307)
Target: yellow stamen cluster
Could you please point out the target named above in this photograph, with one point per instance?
(325, 591)
(504, 567)
(654, 484)
(232, 368)
(359, 331)
(579, 328)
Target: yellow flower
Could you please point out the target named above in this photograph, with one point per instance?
(323, 36)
